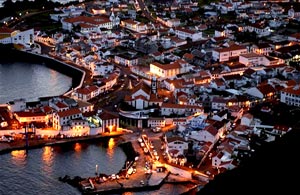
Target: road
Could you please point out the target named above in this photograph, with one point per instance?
(145, 11)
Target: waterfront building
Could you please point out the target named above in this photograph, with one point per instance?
(63, 118)
(86, 93)
(10, 36)
(31, 117)
(109, 122)
(17, 105)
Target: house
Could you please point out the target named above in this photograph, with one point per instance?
(31, 117)
(176, 143)
(165, 70)
(76, 127)
(126, 59)
(184, 33)
(281, 129)
(208, 134)
(251, 59)
(10, 36)
(109, 122)
(247, 119)
(223, 54)
(63, 118)
(156, 122)
(174, 22)
(262, 48)
(291, 95)
(262, 91)
(218, 84)
(220, 158)
(134, 25)
(177, 42)
(234, 80)
(168, 109)
(218, 103)
(86, 93)
(58, 105)
(260, 29)
(87, 24)
(101, 69)
(221, 115)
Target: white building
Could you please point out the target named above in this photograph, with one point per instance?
(87, 24)
(183, 33)
(134, 25)
(251, 59)
(177, 109)
(177, 143)
(9, 36)
(63, 118)
(224, 54)
(129, 59)
(247, 119)
(260, 30)
(291, 95)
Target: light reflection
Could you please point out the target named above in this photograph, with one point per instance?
(18, 157)
(47, 154)
(77, 147)
(47, 157)
(111, 145)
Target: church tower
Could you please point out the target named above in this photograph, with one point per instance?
(154, 85)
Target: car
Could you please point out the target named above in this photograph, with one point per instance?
(140, 140)
(156, 129)
(113, 177)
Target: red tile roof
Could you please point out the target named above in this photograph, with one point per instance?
(295, 90)
(30, 114)
(61, 105)
(69, 112)
(104, 115)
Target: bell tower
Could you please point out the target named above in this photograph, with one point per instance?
(154, 85)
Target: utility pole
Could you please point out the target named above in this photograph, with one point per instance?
(26, 137)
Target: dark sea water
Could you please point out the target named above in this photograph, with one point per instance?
(30, 81)
(37, 172)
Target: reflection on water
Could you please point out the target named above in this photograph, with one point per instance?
(37, 171)
(18, 157)
(47, 157)
(77, 147)
(111, 147)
